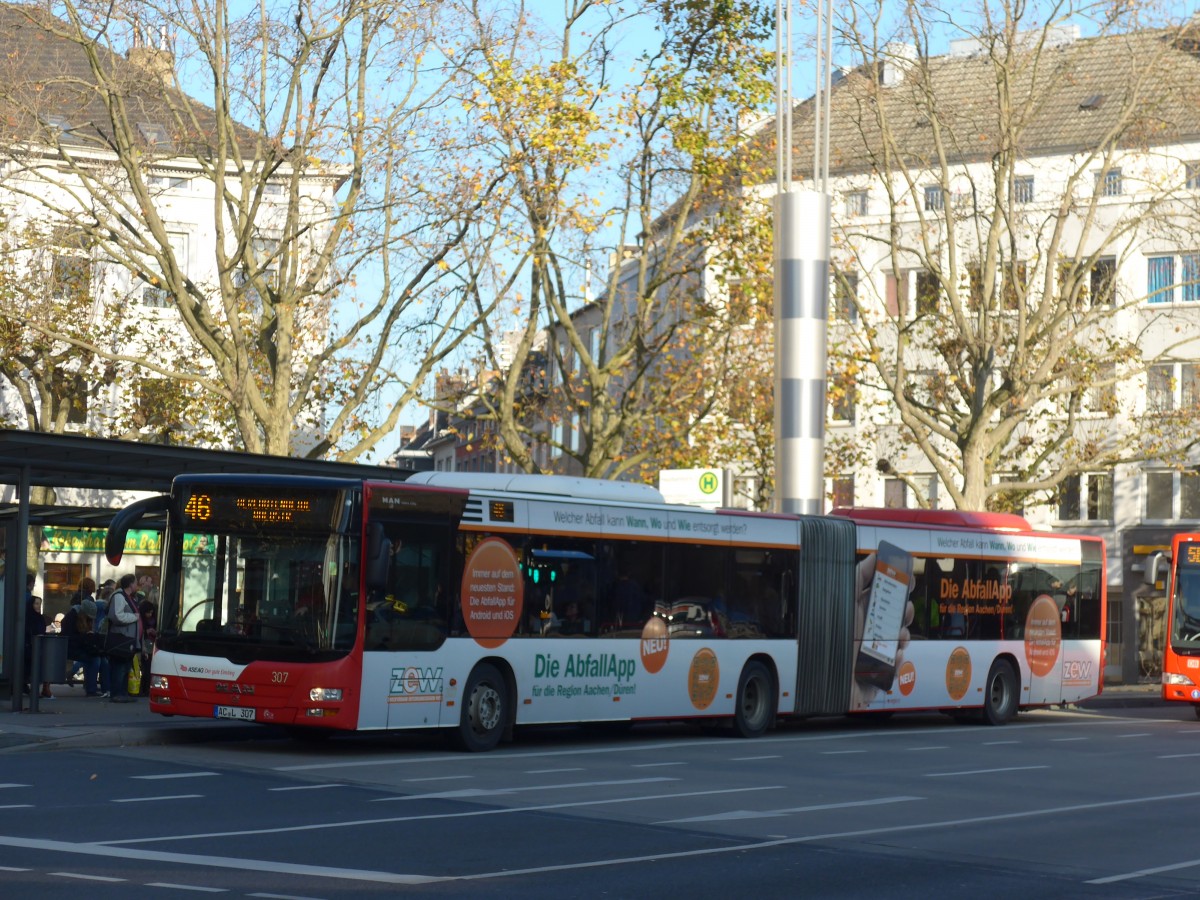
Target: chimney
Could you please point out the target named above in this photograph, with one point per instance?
(898, 61)
(157, 61)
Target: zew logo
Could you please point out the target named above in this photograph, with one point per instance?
(411, 684)
(1076, 671)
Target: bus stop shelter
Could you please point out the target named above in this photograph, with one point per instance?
(32, 459)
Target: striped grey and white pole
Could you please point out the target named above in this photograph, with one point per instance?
(801, 285)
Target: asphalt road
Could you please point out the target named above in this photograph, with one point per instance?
(1057, 804)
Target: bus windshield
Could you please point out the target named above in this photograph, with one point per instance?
(1185, 631)
(281, 596)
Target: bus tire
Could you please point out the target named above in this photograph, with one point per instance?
(1196, 709)
(755, 709)
(1000, 695)
(485, 710)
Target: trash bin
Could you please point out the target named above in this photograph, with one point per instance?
(50, 652)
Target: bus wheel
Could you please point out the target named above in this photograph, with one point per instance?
(1196, 709)
(1000, 694)
(755, 709)
(484, 710)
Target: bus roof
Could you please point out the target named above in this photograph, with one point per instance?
(556, 485)
(944, 518)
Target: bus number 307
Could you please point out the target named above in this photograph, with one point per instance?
(279, 677)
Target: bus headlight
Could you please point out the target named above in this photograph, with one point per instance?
(159, 683)
(1175, 678)
(317, 695)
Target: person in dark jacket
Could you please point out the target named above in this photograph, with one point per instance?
(35, 624)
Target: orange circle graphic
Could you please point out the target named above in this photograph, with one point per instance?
(1043, 635)
(906, 678)
(703, 678)
(655, 645)
(958, 673)
(492, 590)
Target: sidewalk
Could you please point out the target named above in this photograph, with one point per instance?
(71, 719)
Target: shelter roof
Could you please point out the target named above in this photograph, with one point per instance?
(74, 461)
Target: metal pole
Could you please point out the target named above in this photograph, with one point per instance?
(801, 289)
(21, 550)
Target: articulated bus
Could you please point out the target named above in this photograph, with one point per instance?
(476, 603)
(1181, 651)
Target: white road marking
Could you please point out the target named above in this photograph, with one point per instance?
(932, 747)
(754, 758)
(175, 775)
(1063, 740)
(187, 887)
(18, 806)
(657, 765)
(982, 771)
(1142, 873)
(775, 813)
(552, 771)
(1179, 755)
(475, 793)
(377, 877)
(465, 814)
(282, 896)
(153, 799)
(13, 785)
(1136, 734)
(306, 787)
(998, 743)
(84, 877)
(439, 778)
(215, 862)
(840, 752)
(13, 869)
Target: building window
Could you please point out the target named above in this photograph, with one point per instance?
(896, 296)
(1160, 279)
(928, 289)
(1016, 284)
(1160, 495)
(845, 294)
(935, 198)
(1189, 495)
(1191, 175)
(70, 276)
(1023, 189)
(1101, 394)
(1109, 184)
(1172, 495)
(1103, 281)
(856, 203)
(1172, 386)
(1086, 497)
(1189, 273)
(841, 398)
(166, 182)
(895, 493)
(843, 492)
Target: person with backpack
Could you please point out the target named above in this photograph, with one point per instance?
(125, 620)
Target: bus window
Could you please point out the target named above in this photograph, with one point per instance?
(757, 603)
(695, 604)
(629, 582)
(1186, 631)
(560, 587)
(412, 610)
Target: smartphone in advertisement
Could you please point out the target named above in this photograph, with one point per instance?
(876, 664)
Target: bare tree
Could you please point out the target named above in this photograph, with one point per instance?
(998, 205)
(317, 139)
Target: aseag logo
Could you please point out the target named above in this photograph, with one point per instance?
(411, 684)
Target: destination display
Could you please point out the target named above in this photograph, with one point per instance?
(212, 507)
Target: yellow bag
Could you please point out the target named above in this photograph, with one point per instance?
(134, 681)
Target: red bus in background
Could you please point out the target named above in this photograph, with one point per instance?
(1180, 575)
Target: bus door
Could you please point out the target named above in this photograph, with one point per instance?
(407, 619)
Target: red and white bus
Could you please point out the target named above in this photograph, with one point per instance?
(475, 603)
(1181, 651)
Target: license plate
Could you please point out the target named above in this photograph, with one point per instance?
(241, 713)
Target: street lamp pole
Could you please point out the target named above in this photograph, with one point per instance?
(801, 280)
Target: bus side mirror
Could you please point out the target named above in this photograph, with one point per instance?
(123, 521)
(379, 552)
(1158, 564)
